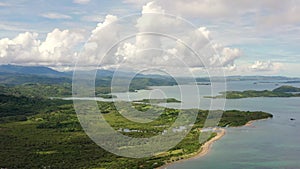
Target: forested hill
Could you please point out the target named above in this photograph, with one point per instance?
(46, 82)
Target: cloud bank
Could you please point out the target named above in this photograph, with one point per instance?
(27, 49)
(172, 43)
(61, 47)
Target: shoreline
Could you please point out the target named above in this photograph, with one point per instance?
(250, 123)
(204, 150)
(206, 147)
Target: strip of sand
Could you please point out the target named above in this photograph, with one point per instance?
(205, 148)
(250, 123)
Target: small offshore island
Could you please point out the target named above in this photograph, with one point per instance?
(283, 91)
(157, 101)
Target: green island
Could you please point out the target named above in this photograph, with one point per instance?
(37, 132)
(156, 101)
(283, 91)
(106, 96)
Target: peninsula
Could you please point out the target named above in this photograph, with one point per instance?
(283, 91)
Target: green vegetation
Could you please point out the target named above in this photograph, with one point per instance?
(156, 101)
(19, 79)
(38, 90)
(20, 107)
(48, 135)
(106, 96)
(233, 118)
(45, 87)
(283, 91)
(287, 89)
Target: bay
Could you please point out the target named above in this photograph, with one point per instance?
(268, 144)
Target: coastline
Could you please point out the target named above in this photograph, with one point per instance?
(204, 150)
(250, 123)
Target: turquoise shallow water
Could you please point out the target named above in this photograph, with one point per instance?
(270, 144)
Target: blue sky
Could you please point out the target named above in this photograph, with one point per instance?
(266, 33)
(25, 15)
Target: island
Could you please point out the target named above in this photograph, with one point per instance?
(283, 91)
(106, 96)
(157, 101)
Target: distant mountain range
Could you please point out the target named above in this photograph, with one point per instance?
(46, 71)
(30, 70)
(13, 74)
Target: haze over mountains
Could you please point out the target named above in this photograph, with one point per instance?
(15, 74)
(46, 71)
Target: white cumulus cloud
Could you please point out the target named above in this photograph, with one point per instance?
(27, 49)
(266, 66)
(151, 40)
(161, 41)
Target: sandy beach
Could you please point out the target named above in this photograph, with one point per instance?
(250, 123)
(205, 148)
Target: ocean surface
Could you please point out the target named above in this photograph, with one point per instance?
(268, 144)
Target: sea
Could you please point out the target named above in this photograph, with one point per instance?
(267, 144)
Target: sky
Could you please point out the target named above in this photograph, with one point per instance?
(248, 37)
